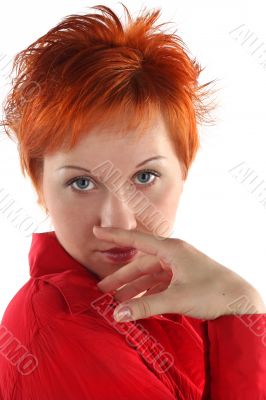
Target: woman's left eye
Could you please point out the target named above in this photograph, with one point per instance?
(143, 174)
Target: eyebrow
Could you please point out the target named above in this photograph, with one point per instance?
(87, 170)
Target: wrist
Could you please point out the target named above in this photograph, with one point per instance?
(246, 300)
(238, 296)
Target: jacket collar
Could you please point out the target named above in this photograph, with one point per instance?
(50, 262)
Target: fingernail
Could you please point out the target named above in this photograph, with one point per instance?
(124, 314)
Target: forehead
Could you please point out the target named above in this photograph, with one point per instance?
(115, 135)
(110, 142)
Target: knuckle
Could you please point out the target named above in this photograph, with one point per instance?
(144, 309)
(119, 279)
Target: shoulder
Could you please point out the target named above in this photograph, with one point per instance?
(32, 306)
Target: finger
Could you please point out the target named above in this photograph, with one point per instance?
(139, 240)
(143, 283)
(145, 307)
(156, 289)
(133, 289)
(142, 266)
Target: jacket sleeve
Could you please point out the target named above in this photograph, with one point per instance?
(236, 357)
(36, 365)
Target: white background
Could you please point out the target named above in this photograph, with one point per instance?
(220, 212)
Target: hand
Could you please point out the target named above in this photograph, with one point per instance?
(176, 278)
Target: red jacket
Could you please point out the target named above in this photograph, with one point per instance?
(59, 341)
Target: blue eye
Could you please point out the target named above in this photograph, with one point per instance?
(82, 182)
(148, 173)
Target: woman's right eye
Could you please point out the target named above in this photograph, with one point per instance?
(81, 182)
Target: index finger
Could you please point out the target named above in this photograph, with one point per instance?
(139, 240)
(137, 268)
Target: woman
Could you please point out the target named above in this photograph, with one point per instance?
(95, 107)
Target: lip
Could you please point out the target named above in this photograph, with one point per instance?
(118, 250)
(117, 255)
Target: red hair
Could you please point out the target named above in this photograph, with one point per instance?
(90, 68)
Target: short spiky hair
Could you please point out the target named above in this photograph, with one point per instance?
(89, 68)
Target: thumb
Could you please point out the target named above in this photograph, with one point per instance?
(142, 307)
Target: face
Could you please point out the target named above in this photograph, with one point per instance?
(77, 199)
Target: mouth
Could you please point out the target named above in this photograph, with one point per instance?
(119, 249)
(120, 254)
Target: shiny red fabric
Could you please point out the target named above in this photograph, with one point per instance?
(59, 341)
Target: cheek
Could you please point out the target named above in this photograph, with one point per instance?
(73, 221)
(169, 198)
(167, 209)
(59, 198)
(167, 206)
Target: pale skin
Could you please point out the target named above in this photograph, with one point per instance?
(187, 281)
(178, 278)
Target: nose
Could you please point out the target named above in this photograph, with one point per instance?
(117, 213)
